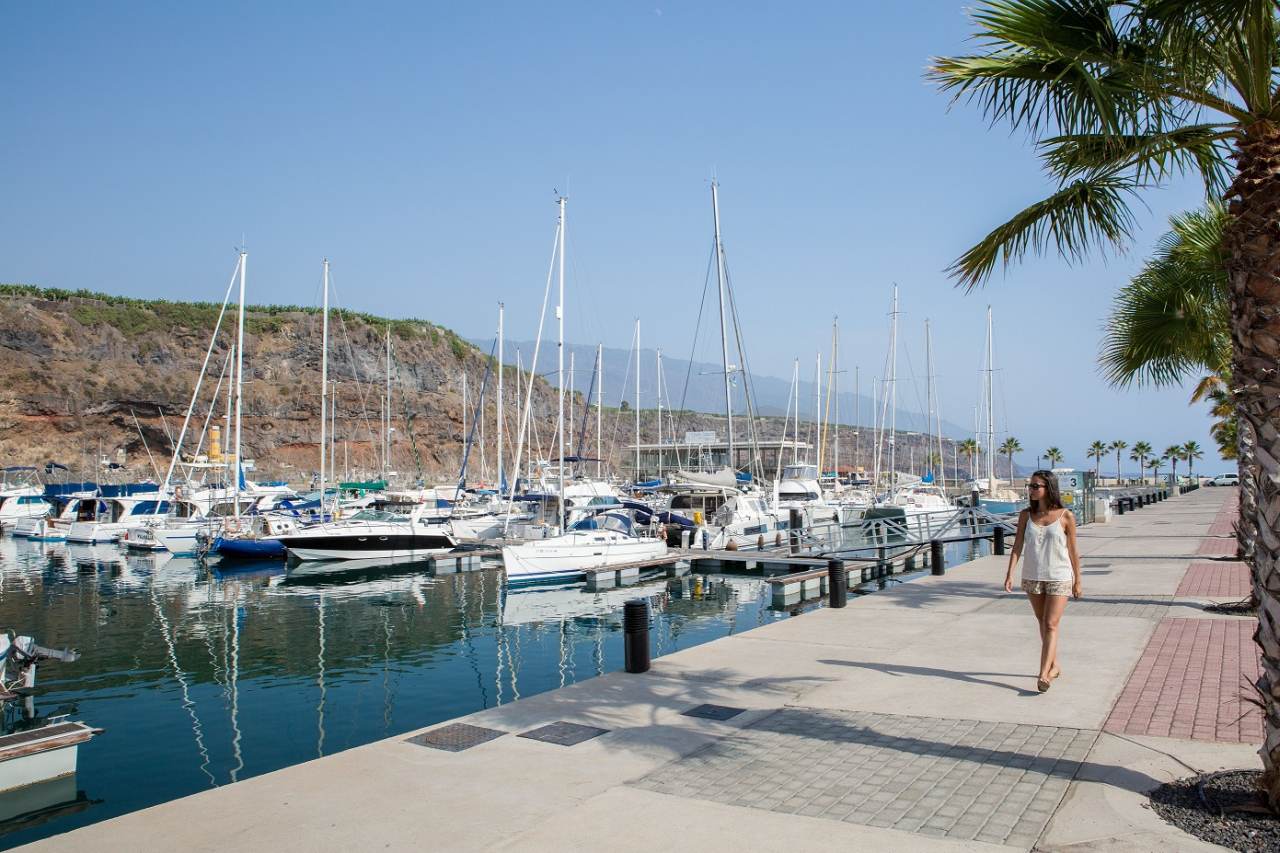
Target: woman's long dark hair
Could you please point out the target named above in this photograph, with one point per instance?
(1052, 497)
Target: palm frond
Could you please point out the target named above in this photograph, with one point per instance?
(1079, 214)
(1153, 157)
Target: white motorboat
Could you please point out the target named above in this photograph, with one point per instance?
(369, 534)
(604, 539)
(117, 510)
(22, 499)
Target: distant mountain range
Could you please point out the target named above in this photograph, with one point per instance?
(705, 385)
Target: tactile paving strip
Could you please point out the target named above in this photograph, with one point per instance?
(961, 779)
(455, 737)
(564, 734)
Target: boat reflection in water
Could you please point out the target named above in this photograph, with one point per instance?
(201, 678)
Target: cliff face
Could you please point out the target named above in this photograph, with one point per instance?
(86, 377)
(76, 369)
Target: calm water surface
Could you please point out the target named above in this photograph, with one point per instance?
(202, 678)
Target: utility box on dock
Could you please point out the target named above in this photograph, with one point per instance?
(1077, 489)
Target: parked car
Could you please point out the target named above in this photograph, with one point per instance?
(1232, 479)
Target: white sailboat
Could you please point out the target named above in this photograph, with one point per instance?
(602, 540)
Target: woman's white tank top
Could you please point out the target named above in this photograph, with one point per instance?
(1044, 552)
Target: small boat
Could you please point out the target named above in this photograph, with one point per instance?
(117, 509)
(34, 750)
(20, 497)
(252, 537)
(605, 539)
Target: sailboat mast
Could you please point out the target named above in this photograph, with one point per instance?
(599, 408)
(991, 423)
(560, 361)
(835, 387)
(724, 334)
(244, 261)
(386, 432)
(635, 477)
(572, 421)
(893, 391)
(659, 411)
(501, 478)
(795, 392)
(928, 367)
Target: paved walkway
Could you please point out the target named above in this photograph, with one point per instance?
(907, 721)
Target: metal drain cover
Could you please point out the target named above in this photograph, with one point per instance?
(455, 737)
(713, 712)
(564, 734)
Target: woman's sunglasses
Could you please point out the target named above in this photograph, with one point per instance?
(1031, 486)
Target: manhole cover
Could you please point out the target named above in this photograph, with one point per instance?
(713, 712)
(564, 734)
(455, 737)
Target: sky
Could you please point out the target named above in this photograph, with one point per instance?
(421, 146)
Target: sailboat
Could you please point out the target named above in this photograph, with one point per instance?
(604, 539)
(992, 496)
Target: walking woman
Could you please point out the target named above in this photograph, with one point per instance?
(1051, 568)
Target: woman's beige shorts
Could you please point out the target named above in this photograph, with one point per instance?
(1047, 587)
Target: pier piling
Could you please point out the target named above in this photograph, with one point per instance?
(837, 583)
(997, 544)
(937, 561)
(635, 629)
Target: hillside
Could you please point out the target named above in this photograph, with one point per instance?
(77, 368)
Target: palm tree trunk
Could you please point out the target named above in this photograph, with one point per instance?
(1253, 269)
(1117, 467)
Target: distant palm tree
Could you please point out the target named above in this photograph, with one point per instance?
(1010, 446)
(1097, 450)
(1141, 450)
(1154, 463)
(1174, 454)
(1054, 455)
(1192, 452)
(1117, 446)
(969, 447)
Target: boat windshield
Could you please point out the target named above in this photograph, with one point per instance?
(377, 515)
(615, 521)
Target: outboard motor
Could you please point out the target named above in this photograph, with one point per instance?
(18, 659)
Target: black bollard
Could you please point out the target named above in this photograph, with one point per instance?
(997, 545)
(1120, 507)
(795, 524)
(837, 583)
(937, 562)
(1139, 500)
(635, 630)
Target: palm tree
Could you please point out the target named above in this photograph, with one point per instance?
(1154, 463)
(1191, 452)
(1121, 96)
(1097, 450)
(1010, 446)
(1141, 450)
(1174, 454)
(969, 447)
(1054, 455)
(1117, 446)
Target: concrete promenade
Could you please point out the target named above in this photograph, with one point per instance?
(907, 721)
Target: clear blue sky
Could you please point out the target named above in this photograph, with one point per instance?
(418, 146)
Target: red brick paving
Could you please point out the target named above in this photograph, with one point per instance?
(1225, 547)
(1217, 580)
(1189, 682)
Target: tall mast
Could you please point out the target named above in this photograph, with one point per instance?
(386, 432)
(599, 409)
(835, 387)
(857, 414)
(333, 432)
(244, 261)
(826, 412)
(724, 334)
(560, 361)
(635, 478)
(893, 390)
(795, 391)
(928, 367)
(572, 422)
(817, 404)
(501, 478)
(991, 423)
(659, 411)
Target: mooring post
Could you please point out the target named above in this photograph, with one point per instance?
(837, 583)
(937, 562)
(794, 528)
(635, 630)
(1120, 507)
(997, 545)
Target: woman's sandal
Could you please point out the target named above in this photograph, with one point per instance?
(1042, 684)
(1055, 674)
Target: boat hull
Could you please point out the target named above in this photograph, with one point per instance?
(536, 562)
(247, 549)
(370, 547)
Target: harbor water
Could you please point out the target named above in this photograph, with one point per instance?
(200, 677)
